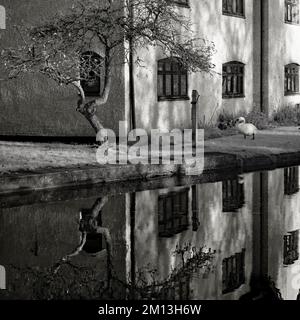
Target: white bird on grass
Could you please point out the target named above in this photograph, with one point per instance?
(247, 129)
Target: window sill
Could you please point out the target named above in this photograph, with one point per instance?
(234, 96)
(234, 15)
(292, 23)
(183, 98)
(291, 93)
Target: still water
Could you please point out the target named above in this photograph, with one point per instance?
(225, 238)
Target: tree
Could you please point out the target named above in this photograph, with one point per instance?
(55, 47)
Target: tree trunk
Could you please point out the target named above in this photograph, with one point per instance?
(88, 110)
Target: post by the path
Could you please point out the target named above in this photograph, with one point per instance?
(194, 113)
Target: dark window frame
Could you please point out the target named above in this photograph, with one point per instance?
(181, 3)
(234, 8)
(291, 248)
(233, 272)
(291, 13)
(291, 79)
(233, 195)
(233, 80)
(291, 181)
(173, 213)
(94, 89)
(171, 68)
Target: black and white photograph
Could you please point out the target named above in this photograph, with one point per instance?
(149, 153)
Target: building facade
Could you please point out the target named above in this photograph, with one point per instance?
(256, 68)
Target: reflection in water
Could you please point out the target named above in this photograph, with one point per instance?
(291, 248)
(173, 210)
(291, 180)
(233, 272)
(233, 195)
(173, 243)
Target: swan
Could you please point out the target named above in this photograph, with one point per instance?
(247, 129)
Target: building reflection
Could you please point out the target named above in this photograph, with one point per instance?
(233, 195)
(223, 240)
(258, 243)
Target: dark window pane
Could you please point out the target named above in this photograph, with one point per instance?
(233, 7)
(168, 85)
(160, 85)
(172, 79)
(173, 212)
(183, 86)
(90, 69)
(233, 80)
(292, 11)
(233, 272)
(291, 81)
(176, 85)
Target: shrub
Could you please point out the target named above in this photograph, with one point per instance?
(288, 116)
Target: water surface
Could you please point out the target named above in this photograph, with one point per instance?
(226, 238)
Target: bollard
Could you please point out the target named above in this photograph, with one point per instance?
(195, 97)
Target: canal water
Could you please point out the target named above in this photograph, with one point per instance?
(225, 237)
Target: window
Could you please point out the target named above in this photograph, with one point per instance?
(291, 83)
(291, 248)
(292, 11)
(233, 80)
(178, 288)
(91, 64)
(233, 8)
(233, 272)
(233, 195)
(172, 80)
(184, 3)
(291, 180)
(173, 211)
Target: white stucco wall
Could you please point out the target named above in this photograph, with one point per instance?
(233, 38)
(284, 48)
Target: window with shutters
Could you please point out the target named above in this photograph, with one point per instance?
(233, 272)
(233, 80)
(291, 248)
(173, 209)
(232, 195)
(292, 11)
(234, 8)
(291, 180)
(172, 80)
(291, 77)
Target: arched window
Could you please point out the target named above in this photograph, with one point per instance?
(233, 79)
(172, 80)
(2, 18)
(90, 70)
(291, 79)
